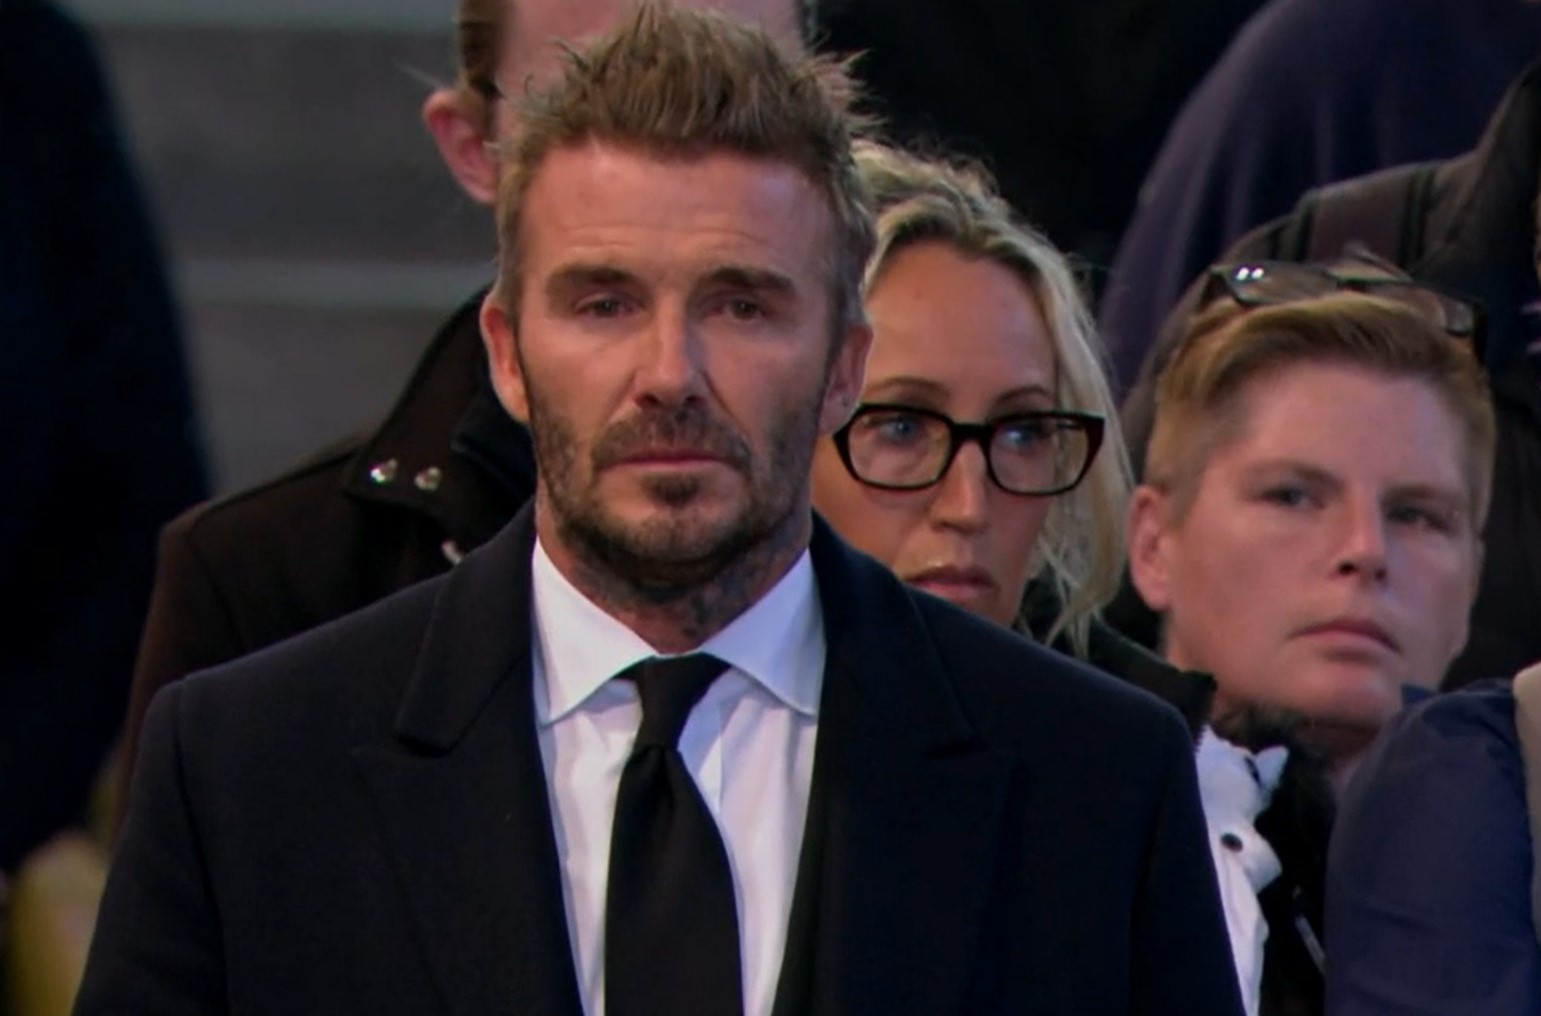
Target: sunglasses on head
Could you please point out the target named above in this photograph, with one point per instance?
(1263, 283)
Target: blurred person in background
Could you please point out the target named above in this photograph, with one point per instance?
(404, 500)
(1310, 91)
(98, 445)
(1118, 72)
(984, 463)
(1308, 530)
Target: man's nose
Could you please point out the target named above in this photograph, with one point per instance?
(672, 355)
(1362, 543)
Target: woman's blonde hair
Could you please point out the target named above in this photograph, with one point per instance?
(1081, 549)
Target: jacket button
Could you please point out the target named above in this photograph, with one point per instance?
(384, 472)
(429, 479)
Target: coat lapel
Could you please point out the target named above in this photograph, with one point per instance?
(463, 802)
(904, 812)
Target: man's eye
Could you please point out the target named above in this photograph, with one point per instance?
(1421, 516)
(602, 307)
(1288, 497)
(744, 309)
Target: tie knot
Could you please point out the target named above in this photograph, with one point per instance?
(670, 687)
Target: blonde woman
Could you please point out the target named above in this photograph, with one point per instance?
(984, 463)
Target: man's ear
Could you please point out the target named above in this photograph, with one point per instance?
(846, 376)
(457, 129)
(502, 359)
(1150, 518)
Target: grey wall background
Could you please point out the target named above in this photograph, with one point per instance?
(314, 239)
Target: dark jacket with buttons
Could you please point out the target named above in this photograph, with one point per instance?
(368, 516)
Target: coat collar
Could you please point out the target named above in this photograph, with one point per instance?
(903, 813)
(447, 449)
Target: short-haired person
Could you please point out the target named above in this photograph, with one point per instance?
(985, 457)
(1308, 527)
(497, 792)
(403, 499)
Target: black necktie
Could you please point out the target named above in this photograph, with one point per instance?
(671, 926)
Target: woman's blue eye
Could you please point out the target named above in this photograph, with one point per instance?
(1023, 434)
(895, 427)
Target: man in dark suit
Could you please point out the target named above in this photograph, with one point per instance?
(402, 500)
(665, 745)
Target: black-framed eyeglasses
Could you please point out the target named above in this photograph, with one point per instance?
(1261, 283)
(898, 447)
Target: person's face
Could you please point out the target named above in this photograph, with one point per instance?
(674, 355)
(1328, 555)
(964, 337)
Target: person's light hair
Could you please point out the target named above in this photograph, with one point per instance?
(1228, 348)
(681, 84)
(1081, 549)
(481, 31)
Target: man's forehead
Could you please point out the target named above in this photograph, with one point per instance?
(531, 49)
(1374, 436)
(722, 205)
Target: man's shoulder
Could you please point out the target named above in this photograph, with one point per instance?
(350, 671)
(1017, 690)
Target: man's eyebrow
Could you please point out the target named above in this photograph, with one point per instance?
(579, 275)
(1300, 470)
(747, 277)
(1450, 496)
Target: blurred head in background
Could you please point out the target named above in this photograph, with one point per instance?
(505, 47)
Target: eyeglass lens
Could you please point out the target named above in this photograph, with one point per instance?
(1027, 454)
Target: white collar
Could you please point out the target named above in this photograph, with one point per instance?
(778, 642)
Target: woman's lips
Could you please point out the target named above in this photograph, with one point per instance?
(959, 583)
(1353, 631)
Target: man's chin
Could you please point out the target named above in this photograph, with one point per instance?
(663, 546)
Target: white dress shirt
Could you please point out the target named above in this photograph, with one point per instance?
(748, 744)
(1235, 786)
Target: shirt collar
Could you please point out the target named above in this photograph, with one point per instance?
(778, 642)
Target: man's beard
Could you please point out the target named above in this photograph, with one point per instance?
(666, 558)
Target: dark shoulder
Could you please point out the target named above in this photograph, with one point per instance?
(312, 483)
(1479, 716)
(1455, 756)
(349, 672)
(1015, 689)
